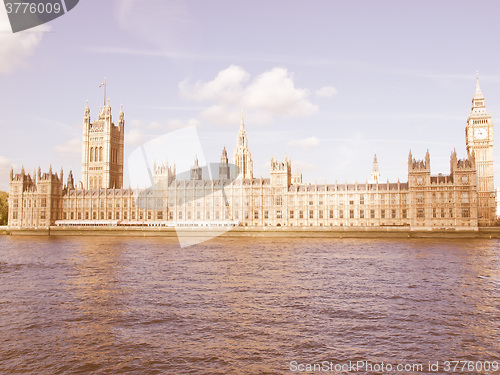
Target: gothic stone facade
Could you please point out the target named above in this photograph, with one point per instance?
(462, 199)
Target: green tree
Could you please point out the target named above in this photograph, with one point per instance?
(4, 208)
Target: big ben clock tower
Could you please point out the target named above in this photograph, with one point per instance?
(479, 140)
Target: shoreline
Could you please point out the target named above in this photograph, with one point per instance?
(251, 232)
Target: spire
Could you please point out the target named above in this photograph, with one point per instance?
(196, 172)
(478, 94)
(121, 116)
(87, 110)
(223, 158)
(71, 181)
(242, 157)
(375, 171)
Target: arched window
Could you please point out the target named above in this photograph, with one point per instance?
(96, 157)
(100, 154)
(91, 153)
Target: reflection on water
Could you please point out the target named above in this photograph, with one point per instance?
(239, 306)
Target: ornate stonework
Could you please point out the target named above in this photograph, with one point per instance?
(460, 200)
(242, 157)
(102, 150)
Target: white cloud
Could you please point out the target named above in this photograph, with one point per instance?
(69, 149)
(305, 143)
(5, 165)
(274, 92)
(16, 48)
(326, 91)
(225, 87)
(269, 94)
(134, 137)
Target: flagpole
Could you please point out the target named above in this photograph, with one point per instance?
(104, 91)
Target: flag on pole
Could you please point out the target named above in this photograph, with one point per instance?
(103, 82)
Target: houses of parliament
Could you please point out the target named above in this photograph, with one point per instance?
(464, 199)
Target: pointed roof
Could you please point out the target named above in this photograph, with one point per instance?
(478, 94)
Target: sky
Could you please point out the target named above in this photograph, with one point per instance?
(326, 83)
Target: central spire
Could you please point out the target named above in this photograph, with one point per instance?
(242, 157)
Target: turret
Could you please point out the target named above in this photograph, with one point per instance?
(453, 160)
(121, 117)
(281, 173)
(224, 166)
(375, 171)
(71, 182)
(196, 171)
(86, 113)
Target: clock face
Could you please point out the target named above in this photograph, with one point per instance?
(481, 133)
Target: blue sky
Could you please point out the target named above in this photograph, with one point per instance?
(328, 83)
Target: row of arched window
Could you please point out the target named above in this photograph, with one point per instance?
(114, 155)
(96, 154)
(95, 182)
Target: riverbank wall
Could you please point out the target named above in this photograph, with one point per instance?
(271, 232)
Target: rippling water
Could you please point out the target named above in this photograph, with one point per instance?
(240, 306)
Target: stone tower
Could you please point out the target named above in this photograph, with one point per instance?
(224, 166)
(196, 173)
(479, 142)
(242, 157)
(102, 150)
(281, 173)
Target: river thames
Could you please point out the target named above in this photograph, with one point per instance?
(246, 306)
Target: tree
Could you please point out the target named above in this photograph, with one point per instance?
(4, 208)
